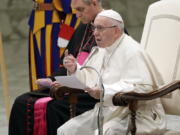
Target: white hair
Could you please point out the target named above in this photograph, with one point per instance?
(119, 24)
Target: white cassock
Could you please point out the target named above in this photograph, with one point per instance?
(124, 67)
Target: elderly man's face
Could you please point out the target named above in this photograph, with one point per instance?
(85, 12)
(105, 32)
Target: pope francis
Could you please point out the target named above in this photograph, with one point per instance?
(124, 66)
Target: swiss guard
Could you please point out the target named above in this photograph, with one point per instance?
(52, 23)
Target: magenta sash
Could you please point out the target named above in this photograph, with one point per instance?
(40, 126)
(82, 57)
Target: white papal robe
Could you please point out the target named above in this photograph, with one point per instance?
(124, 67)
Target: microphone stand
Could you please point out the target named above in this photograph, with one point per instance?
(100, 112)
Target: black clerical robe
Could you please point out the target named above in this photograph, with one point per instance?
(57, 112)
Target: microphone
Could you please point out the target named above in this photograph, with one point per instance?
(100, 111)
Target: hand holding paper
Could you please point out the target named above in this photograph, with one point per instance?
(44, 82)
(70, 81)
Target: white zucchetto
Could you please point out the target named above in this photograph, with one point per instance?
(111, 14)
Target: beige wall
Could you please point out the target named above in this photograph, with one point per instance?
(14, 15)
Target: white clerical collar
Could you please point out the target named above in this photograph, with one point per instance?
(115, 44)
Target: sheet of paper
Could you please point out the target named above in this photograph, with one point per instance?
(70, 81)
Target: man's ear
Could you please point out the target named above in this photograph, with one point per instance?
(117, 31)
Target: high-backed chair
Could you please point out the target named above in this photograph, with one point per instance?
(161, 39)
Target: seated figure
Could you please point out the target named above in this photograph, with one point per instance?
(124, 66)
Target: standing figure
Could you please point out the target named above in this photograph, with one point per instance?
(51, 23)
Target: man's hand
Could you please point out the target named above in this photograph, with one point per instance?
(44, 82)
(55, 84)
(94, 92)
(69, 62)
(55, 91)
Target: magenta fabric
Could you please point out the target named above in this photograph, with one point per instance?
(40, 126)
(82, 57)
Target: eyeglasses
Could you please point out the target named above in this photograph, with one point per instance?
(101, 28)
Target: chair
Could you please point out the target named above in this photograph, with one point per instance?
(58, 92)
(161, 39)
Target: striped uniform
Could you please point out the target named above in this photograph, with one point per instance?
(44, 25)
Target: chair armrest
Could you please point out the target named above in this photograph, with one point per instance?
(123, 99)
(58, 92)
(130, 99)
